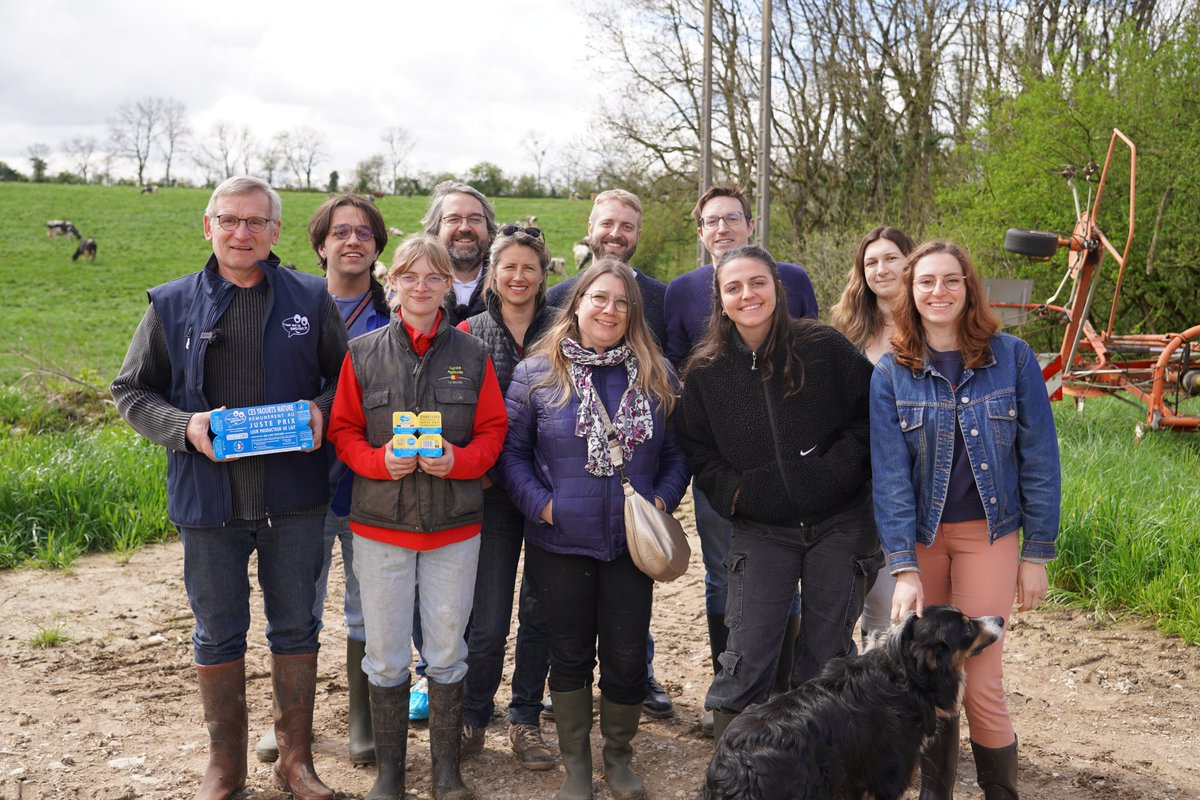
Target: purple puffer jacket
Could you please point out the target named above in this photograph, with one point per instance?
(543, 460)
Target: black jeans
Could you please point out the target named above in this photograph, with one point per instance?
(584, 599)
(832, 559)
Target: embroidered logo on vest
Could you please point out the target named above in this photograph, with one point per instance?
(296, 325)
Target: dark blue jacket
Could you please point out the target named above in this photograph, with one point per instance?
(188, 309)
(543, 460)
(689, 300)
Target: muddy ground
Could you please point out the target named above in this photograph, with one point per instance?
(1104, 709)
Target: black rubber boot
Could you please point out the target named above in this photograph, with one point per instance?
(389, 718)
(996, 771)
(718, 637)
(721, 720)
(223, 692)
(939, 761)
(618, 726)
(362, 743)
(787, 655)
(445, 741)
(573, 722)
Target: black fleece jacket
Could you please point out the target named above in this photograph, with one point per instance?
(790, 460)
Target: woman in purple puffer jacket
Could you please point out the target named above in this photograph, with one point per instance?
(597, 360)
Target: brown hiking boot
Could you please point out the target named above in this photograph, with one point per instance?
(530, 747)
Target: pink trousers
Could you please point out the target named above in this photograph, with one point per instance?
(963, 569)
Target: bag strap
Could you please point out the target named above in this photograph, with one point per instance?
(362, 305)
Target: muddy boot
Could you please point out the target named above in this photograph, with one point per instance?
(389, 718)
(718, 636)
(787, 655)
(223, 692)
(362, 744)
(996, 771)
(445, 741)
(266, 750)
(618, 726)
(573, 721)
(294, 679)
(939, 761)
(721, 720)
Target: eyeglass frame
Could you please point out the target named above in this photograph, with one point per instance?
(941, 279)
(509, 230)
(356, 230)
(616, 301)
(419, 281)
(738, 217)
(470, 219)
(239, 220)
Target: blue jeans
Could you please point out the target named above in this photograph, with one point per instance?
(338, 529)
(388, 577)
(714, 532)
(832, 559)
(499, 552)
(215, 574)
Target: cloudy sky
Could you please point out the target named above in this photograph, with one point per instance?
(467, 78)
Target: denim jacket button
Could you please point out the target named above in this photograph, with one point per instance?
(992, 501)
(966, 399)
(983, 466)
(903, 423)
(1012, 412)
(974, 431)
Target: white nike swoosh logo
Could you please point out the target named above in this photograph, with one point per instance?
(806, 452)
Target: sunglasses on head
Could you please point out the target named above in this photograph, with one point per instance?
(509, 230)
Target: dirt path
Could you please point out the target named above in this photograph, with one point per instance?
(1107, 711)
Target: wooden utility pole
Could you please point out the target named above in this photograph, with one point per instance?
(705, 122)
(764, 133)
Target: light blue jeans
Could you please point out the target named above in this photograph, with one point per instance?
(388, 577)
(338, 529)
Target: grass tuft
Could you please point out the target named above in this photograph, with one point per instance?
(47, 637)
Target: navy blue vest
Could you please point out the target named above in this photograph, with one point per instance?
(188, 309)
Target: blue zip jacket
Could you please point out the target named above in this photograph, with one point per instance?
(188, 308)
(543, 460)
(1008, 428)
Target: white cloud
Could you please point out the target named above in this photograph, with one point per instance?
(467, 78)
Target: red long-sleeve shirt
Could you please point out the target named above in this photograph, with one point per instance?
(347, 431)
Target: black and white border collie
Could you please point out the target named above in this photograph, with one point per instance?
(856, 730)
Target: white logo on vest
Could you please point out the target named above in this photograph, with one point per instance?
(296, 326)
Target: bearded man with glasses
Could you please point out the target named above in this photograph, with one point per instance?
(464, 221)
(242, 332)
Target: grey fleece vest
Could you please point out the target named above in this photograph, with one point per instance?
(394, 378)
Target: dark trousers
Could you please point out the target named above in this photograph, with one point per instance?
(832, 560)
(585, 600)
(499, 552)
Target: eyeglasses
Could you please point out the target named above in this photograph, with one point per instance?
(230, 222)
(602, 299)
(434, 281)
(509, 230)
(952, 283)
(454, 220)
(361, 232)
(732, 219)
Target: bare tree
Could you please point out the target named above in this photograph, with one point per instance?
(400, 144)
(302, 150)
(220, 153)
(534, 143)
(269, 159)
(81, 150)
(135, 129)
(174, 134)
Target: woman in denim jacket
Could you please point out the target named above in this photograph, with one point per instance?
(963, 455)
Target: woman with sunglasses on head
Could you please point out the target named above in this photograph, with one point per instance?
(864, 316)
(964, 454)
(516, 315)
(596, 370)
(774, 422)
(416, 519)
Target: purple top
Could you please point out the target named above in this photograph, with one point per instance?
(962, 497)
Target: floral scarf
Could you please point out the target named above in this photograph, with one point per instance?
(632, 423)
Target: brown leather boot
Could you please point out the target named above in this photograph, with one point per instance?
(445, 741)
(295, 682)
(223, 691)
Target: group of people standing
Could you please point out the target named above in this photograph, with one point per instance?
(802, 459)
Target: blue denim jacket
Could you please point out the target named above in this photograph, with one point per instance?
(1011, 443)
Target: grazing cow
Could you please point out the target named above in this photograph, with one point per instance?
(394, 231)
(582, 253)
(558, 266)
(150, 188)
(529, 222)
(380, 271)
(87, 249)
(61, 227)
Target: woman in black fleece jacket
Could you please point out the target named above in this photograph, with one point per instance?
(774, 422)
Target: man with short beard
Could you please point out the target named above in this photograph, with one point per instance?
(462, 218)
(614, 228)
